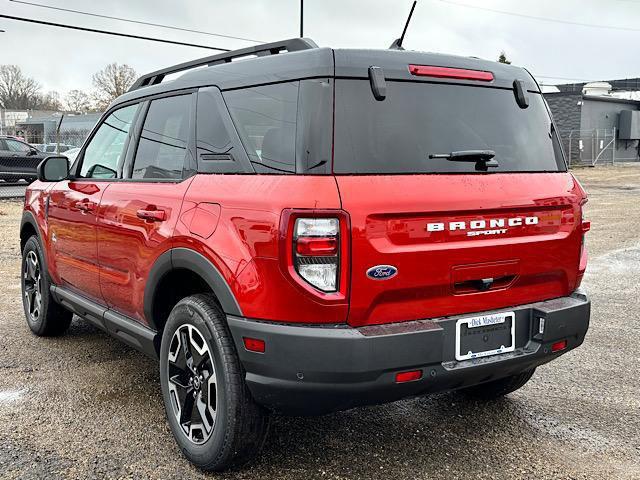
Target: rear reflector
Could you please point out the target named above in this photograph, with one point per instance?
(254, 344)
(446, 72)
(412, 376)
(558, 346)
(586, 226)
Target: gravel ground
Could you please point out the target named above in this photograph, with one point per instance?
(86, 406)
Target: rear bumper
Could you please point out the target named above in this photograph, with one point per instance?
(312, 370)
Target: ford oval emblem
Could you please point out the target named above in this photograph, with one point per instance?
(382, 272)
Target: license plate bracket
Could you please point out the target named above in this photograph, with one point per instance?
(485, 335)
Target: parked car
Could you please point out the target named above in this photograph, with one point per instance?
(72, 153)
(18, 160)
(312, 230)
(55, 148)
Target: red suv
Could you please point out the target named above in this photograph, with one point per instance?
(314, 229)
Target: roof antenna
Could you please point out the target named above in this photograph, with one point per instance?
(301, 18)
(397, 44)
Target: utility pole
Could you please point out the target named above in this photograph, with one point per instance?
(301, 18)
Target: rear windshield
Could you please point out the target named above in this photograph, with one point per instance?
(397, 135)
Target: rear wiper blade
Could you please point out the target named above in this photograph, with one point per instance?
(482, 158)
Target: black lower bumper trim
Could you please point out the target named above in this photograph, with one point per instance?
(319, 369)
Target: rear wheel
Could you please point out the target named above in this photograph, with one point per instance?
(209, 408)
(44, 316)
(498, 388)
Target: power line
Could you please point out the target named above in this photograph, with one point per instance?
(139, 22)
(543, 19)
(107, 32)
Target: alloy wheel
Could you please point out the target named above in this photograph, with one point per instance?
(32, 277)
(192, 383)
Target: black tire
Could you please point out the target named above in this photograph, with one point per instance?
(44, 316)
(238, 426)
(498, 388)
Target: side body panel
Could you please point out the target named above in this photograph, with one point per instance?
(73, 259)
(35, 212)
(234, 220)
(129, 245)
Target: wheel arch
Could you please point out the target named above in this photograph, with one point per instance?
(189, 266)
(28, 228)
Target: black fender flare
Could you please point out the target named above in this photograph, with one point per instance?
(185, 258)
(29, 218)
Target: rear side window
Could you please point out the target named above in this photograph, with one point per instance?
(217, 151)
(164, 138)
(285, 127)
(18, 147)
(398, 134)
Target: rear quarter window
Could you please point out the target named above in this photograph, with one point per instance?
(265, 117)
(285, 127)
(398, 134)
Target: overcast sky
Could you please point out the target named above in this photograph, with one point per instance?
(63, 60)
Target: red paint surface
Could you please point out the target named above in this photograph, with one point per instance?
(243, 225)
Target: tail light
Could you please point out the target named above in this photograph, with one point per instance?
(316, 252)
(585, 226)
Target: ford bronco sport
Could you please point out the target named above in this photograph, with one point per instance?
(309, 230)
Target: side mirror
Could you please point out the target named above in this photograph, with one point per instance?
(33, 151)
(53, 169)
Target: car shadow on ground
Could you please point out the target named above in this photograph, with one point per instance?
(425, 433)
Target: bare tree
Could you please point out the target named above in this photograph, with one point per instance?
(77, 101)
(503, 58)
(17, 91)
(111, 82)
(48, 101)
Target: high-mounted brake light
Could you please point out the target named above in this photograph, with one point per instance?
(447, 72)
(316, 252)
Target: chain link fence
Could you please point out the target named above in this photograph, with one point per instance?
(19, 162)
(598, 147)
(590, 147)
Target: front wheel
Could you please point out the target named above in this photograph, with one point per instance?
(44, 316)
(209, 408)
(498, 388)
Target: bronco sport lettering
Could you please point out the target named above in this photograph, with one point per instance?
(494, 223)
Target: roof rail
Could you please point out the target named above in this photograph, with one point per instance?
(291, 45)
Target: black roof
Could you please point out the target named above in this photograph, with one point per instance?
(303, 59)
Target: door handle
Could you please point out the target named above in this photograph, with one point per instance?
(152, 215)
(86, 206)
